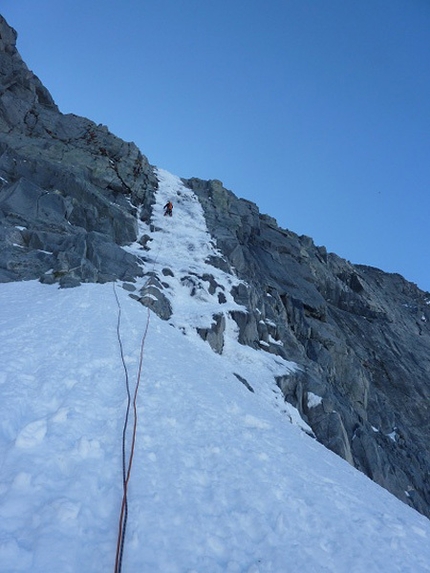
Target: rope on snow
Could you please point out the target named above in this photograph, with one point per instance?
(131, 403)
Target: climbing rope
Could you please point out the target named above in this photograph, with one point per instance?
(131, 403)
(124, 507)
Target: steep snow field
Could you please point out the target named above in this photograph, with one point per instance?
(223, 481)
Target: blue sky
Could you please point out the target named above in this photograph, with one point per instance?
(318, 111)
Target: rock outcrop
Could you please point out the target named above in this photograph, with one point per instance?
(361, 335)
(69, 188)
(70, 196)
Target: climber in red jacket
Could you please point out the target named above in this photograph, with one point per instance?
(168, 209)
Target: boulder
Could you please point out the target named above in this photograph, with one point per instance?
(214, 335)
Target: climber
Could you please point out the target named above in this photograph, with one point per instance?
(168, 209)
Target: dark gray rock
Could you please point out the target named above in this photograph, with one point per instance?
(360, 335)
(215, 334)
(247, 323)
(66, 181)
(153, 297)
(244, 382)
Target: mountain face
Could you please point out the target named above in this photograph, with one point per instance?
(69, 188)
(71, 196)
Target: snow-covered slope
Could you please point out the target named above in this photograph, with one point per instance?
(223, 480)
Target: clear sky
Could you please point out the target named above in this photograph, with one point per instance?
(316, 110)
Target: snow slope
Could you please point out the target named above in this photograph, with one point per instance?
(222, 480)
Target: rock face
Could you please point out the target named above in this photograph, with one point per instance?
(70, 192)
(68, 187)
(361, 335)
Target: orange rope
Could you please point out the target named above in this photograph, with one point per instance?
(122, 524)
(126, 477)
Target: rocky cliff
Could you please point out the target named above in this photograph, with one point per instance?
(361, 335)
(71, 194)
(69, 188)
